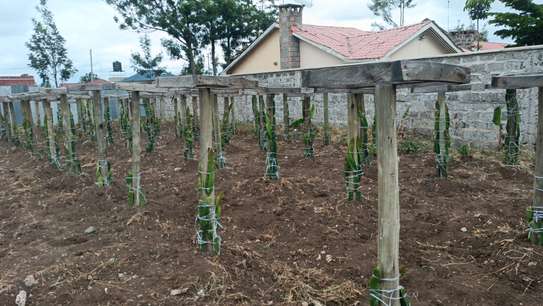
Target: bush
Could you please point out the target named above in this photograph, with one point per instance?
(411, 146)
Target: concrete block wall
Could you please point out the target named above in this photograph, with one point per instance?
(471, 111)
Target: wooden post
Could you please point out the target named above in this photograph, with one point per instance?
(536, 224)
(51, 138)
(309, 151)
(327, 137)
(272, 165)
(13, 123)
(353, 170)
(177, 116)
(106, 121)
(103, 178)
(512, 144)
(4, 120)
(388, 188)
(27, 125)
(80, 117)
(442, 151)
(233, 123)
(195, 121)
(261, 122)
(72, 162)
(217, 134)
(182, 106)
(208, 239)
(256, 115)
(135, 194)
(286, 118)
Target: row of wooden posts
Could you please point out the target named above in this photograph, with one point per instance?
(383, 78)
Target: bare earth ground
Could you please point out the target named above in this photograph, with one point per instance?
(287, 242)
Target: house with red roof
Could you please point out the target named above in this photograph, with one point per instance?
(291, 44)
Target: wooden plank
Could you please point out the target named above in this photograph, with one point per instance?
(518, 81)
(388, 189)
(396, 72)
(189, 81)
(142, 88)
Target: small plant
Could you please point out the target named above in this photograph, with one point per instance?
(379, 296)
(272, 165)
(512, 139)
(101, 180)
(151, 125)
(309, 134)
(256, 115)
(410, 146)
(29, 137)
(134, 187)
(535, 223)
(364, 148)
(464, 151)
(227, 128)
(126, 127)
(209, 209)
(442, 138)
(353, 170)
(497, 120)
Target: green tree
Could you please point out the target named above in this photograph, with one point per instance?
(48, 55)
(180, 19)
(88, 77)
(478, 10)
(146, 62)
(383, 8)
(524, 24)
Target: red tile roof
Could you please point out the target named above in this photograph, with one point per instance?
(24, 80)
(355, 44)
(487, 45)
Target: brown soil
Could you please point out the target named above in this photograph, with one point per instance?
(286, 242)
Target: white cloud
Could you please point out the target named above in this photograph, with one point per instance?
(88, 24)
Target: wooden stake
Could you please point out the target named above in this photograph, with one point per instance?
(443, 152)
(52, 142)
(272, 165)
(327, 137)
(103, 179)
(136, 149)
(13, 123)
(286, 118)
(308, 126)
(208, 241)
(388, 188)
(217, 134)
(28, 125)
(73, 163)
(512, 145)
(182, 106)
(233, 124)
(106, 121)
(261, 122)
(538, 173)
(195, 121)
(177, 116)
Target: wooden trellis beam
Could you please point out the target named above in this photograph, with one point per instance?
(204, 81)
(396, 72)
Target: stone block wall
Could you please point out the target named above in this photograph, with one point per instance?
(471, 111)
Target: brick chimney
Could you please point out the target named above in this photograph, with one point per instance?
(465, 39)
(289, 15)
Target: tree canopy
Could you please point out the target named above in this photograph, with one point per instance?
(478, 10)
(146, 62)
(383, 8)
(194, 25)
(48, 55)
(524, 25)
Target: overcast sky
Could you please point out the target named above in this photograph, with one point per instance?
(88, 24)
